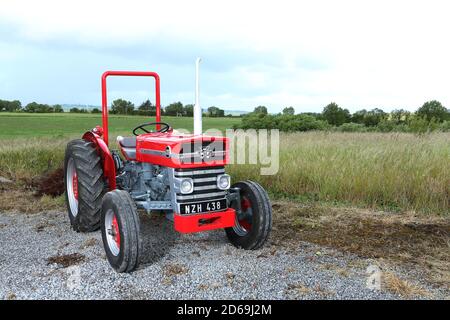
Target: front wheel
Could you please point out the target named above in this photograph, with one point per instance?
(254, 222)
(121, 231)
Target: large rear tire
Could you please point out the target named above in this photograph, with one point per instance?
(253, 225)
(84, 183)
(121, 231)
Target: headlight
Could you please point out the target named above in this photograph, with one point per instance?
(187, 185)
(223, 182)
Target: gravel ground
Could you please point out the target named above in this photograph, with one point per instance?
(175, 266)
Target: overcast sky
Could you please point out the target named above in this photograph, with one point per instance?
(305, 54)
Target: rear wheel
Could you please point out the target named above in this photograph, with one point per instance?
(121, 231)
(83, 180)
(253, 224)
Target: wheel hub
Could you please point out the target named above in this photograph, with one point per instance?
(243, 220)
(115, 228)
(75, 185)
(112, 232)
(72, 187)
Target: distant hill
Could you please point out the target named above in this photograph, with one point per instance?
(67, 107)
(235, 112)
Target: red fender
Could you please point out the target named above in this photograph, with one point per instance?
(109, 169)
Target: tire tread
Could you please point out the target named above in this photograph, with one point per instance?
(130, 256)
(255, 239)
(91, 186)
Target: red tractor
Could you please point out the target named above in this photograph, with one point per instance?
(160, 170)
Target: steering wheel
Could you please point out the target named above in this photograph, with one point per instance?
(165, 127)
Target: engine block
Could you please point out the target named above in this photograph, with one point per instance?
(145, 182)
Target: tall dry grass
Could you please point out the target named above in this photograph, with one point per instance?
(394, 171)
(24, 158)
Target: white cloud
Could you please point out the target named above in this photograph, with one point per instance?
(360, 54)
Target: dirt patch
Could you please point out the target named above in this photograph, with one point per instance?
(43, 225)
(170, 270)
(343, 272)
(66, 260)
(32, 195)
(207, 286)
(11, 296)
(40, 228)
(394, 284)
(401, 238)
(26, 201)
(230, 276)
(297, 290)
(50, 183)
(89, 243)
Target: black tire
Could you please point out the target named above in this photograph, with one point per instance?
(259, 222)
(82, 156)
(120, 204)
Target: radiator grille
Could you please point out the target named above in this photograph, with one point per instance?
(205, 184)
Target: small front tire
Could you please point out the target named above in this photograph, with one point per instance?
(121, 231)
(253, 225)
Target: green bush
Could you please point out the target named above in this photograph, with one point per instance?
(422, 125)
(352, 127)
(283, 122)
(391, 126)
(445, 126)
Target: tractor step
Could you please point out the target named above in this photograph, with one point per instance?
(154, 205)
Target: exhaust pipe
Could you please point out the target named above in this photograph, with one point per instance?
(197, 109)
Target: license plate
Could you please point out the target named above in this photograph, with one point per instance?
(203, 207)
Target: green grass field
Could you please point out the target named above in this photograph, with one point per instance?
(393, 171)
(19, 125)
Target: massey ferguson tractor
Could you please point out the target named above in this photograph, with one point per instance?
(158, 169)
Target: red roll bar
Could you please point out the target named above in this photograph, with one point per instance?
(133, 74)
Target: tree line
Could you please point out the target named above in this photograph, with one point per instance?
(118, 106)
(432, 115)
(33, 107)
(121, 106)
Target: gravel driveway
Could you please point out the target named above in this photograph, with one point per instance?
(42, 258)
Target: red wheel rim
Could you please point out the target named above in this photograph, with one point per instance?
(112, 232)
(72, 187)
(245, 206)
(115, 226)
(75, 185)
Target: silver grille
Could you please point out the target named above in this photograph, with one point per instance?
(205, 184)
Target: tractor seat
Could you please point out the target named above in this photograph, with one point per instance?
(128, 146)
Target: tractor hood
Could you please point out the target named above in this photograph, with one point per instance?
(182, 150)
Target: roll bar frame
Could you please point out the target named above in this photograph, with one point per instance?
(127, 74)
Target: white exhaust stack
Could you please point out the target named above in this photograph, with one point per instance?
(197, 109)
